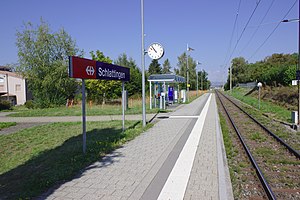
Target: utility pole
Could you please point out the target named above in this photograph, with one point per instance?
(197, 82)
(187, 73)
(230, 75)
(297, 71)
(143, 66)
(197, 63)
(298, 82)
(201, 79)
(187, 68)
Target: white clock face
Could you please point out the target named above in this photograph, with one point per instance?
(155, 51)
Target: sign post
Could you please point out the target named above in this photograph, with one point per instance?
(83, 117)
(123, 106)
(90, 69)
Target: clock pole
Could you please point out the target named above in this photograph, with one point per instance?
(143, 65)
(187, 72)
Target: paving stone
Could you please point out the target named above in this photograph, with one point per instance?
(60, 194)
(127, 172)
(92, 196)
(75, 195)
(203, 177)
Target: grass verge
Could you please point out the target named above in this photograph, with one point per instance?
(6, 124)
(94, 110)
(35, 159)
(266, 107)
(229, 148)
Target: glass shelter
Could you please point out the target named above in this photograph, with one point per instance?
(165, 89)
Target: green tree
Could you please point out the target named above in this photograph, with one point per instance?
(134, 86)
(166, 67)
(203, 82)
(101, 90)
(274, 70)
(238, 70)
(289, 75)
(43, 61)
(182, 69)
(154, 67)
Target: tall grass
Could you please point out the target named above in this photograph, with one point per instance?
(266, 107)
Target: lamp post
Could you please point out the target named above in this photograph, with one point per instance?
(230, 78)
(197, 63)
(143, 66)
(259, 85)
(197, 82)
(187, 73)
(187, 69)
(202, 73)
(298, 71)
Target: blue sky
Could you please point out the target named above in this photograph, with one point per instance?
(114, 27)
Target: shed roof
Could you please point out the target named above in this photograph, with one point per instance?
(166, 78)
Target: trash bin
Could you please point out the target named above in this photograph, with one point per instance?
(183, 96)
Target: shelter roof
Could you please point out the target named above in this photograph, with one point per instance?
(166, 78)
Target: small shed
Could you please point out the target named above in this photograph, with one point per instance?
(12, 87)
(171, 80)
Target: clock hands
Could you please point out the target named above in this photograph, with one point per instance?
(154, 49)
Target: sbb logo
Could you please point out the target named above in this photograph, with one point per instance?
(90, 70)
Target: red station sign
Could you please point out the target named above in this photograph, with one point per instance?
(90, 69)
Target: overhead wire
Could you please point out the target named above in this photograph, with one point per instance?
(272, 31)
(232, 33)
(244, 29)
(260, 24)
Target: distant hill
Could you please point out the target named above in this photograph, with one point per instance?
(217, 84)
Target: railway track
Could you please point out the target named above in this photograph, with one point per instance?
(276, 163)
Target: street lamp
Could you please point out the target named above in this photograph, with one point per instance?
(202, 74)
(298, 71)
(187, 69)
(259, 85)
(197, 63)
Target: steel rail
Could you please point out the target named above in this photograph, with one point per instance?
(260, 175)
(293, 151)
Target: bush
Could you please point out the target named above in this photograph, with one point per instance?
(29, 104)
(5, 105)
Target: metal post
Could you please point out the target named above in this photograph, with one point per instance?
(187, 74)
(259, 85)
(259, 97)
(202, 80)
(123, 106)
(83, 118)
(7, 87)
(230, 77)
(298, 63)
(143, 65)
(155, 95)
(150, 95)
(197, 81)
(178, 93)
(164, 106)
